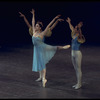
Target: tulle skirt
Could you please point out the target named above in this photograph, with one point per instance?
(42, 54)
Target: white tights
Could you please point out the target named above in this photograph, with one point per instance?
(42, 75)
(76, 60)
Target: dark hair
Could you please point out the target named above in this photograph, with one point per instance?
(81, 22)
(40, 24)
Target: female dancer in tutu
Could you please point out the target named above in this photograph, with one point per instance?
(77, 39)
(43, 53)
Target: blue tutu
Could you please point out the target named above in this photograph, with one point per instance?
(42, 54)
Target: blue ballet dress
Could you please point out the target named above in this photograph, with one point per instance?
(42, 54)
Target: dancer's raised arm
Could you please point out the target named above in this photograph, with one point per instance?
(25, 19)
(51, 23)
(27, 23)
(33, 20)
(48, 26)
(56, 22)
(70, 25)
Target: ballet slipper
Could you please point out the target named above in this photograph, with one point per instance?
(39, 79)
(74, 86)
(78, 86)
(66, 46)
(44, 82)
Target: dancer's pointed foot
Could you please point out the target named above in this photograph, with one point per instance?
(66, 46)
(74, 86)
(44, 82)
(39, 79)
(77, 86)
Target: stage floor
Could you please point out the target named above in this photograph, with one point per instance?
(17, 81)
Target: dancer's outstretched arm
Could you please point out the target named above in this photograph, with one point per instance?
(27, 23)
(49, 25)
(25, 19)
(70, 25)
(56, 22)
(33, 20)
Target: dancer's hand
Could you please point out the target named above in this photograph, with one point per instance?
(68, 20)
(60, 20)
(21, 15)
(57, 16)
(33, 11)
(80, 24)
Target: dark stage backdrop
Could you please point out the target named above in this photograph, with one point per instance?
(13, 29)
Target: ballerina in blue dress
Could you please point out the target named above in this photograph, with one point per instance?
(42, 52)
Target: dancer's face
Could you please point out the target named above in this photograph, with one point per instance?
(37, 27)
(80, 24)
(76, 30)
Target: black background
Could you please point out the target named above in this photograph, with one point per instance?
(13, 29)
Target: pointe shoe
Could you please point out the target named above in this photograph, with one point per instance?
(44, 82)
(66, 46)
(74, 86)
(78, 86)
(39, 79)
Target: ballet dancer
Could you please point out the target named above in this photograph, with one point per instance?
(77, 39)
(43, 53)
